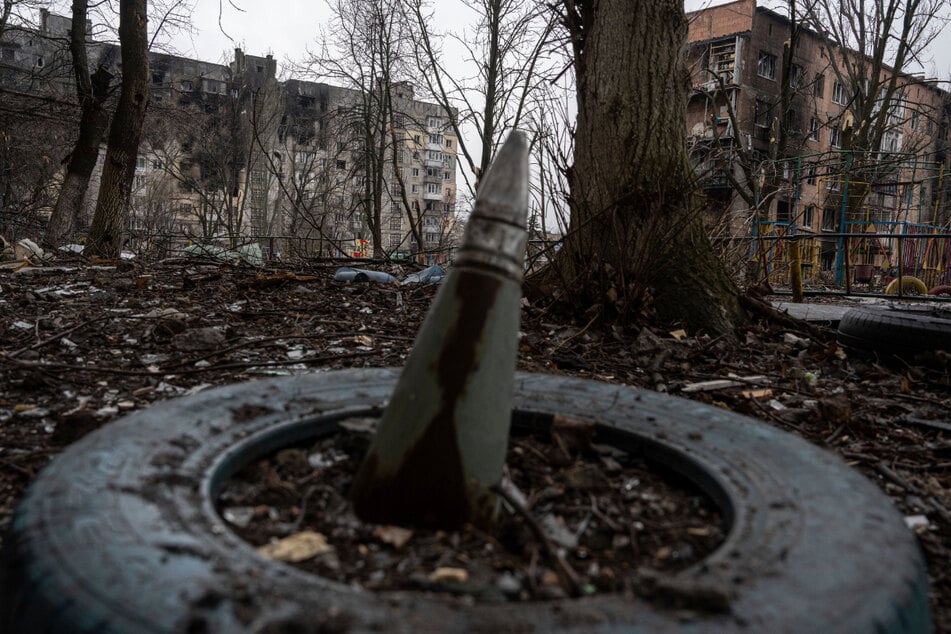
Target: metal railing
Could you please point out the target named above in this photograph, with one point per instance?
(845, 262)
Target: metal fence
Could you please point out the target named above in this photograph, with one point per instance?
(913, 260)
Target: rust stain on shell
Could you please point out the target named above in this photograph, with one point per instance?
(413, 496)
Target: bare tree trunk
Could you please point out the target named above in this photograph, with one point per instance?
(92, 92)
(636, 241)
(106, 233)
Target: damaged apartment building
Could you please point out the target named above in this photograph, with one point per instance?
(230, 155)
(770, 143)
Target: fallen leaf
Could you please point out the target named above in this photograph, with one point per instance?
(679, 335)
(835, 409)
(395, 536)
(905, 387)
(299, 547)
(570, 437)
(550, 578)
(457, 575)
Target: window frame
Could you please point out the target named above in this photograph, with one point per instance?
(766, 65)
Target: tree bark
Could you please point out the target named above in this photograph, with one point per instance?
(636, 241)
(108, 226)
(92, 93)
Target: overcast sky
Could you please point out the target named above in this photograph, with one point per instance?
(286, 28)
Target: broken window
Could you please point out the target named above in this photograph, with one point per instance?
(795, 76)
(766, 66)
(807, 215)
(761, 119)
(782, 211)
(722, 60)
(838, 93)
(828, 219)
(819, 88)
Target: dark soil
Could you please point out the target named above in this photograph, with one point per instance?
(592, 519)
(81, 345)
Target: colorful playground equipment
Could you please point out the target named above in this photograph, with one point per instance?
(881, 230)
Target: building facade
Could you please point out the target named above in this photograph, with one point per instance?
(769, 135)
(230, 154)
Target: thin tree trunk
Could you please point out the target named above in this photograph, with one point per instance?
(636, 241)
(108, 225)
(92, 93)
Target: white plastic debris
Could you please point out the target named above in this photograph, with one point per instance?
(917, 522)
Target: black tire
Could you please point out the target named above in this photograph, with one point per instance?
(905, 330)
(119, 533)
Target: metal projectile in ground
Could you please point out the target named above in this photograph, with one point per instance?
(441, 442)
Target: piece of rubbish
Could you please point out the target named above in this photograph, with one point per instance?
(26, 249)
(757, 395)
(793, 340)
(240, 516)
(722, 384)
(555, 530)
(917, 522)
(250, 253)
(298, 547)
(679, 335)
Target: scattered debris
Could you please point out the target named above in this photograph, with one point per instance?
(119, 325)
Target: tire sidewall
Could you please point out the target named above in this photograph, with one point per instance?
(120, 534)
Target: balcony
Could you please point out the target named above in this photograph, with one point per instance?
(432, 195)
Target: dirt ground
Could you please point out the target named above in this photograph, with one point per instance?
(82, 344)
